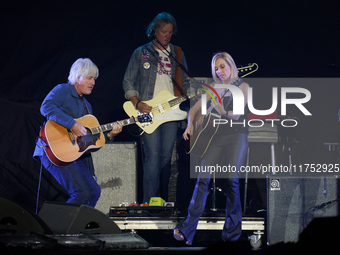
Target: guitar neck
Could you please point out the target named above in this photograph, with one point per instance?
(109, 126)
(178, 100)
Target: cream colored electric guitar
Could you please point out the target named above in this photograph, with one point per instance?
(165, 108)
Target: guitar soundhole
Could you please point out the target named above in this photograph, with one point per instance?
(85, 141)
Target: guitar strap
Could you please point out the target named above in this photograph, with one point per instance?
(87, 108)
(230, 98)
(237, 83)
(178, 73)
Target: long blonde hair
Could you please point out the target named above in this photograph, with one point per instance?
(230, 62)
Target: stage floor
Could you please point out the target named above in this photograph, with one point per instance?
(253, 229)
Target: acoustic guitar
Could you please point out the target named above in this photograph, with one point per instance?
(63, 147)
(204, 129)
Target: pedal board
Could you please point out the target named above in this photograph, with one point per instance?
(145, 211)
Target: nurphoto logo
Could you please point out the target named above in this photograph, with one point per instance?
(238, 104)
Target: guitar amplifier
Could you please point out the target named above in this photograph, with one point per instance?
(116, 170)
(293, 201)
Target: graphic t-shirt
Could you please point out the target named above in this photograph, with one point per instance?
(163, 78)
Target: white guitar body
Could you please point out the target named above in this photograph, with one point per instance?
(165, 108)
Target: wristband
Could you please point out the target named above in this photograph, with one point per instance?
(136, 106)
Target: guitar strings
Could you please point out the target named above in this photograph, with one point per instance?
(165, 105)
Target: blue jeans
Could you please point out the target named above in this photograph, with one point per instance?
(232, 150)
(158, 148)
(77, 180)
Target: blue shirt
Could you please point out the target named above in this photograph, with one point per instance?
(62, 105)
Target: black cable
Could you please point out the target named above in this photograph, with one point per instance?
(314, 208)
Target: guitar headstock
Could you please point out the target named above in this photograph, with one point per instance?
(243, 71)
(197, 82)
(143, 118)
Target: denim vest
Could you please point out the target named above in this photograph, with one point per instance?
(141, 73)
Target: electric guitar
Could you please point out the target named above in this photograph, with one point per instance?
(63, 147)
(204, 129)
(244, 71)
(165, 107)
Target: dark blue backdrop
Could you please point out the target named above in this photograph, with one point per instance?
(41, 39)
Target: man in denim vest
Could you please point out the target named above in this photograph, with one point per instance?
(150, 71)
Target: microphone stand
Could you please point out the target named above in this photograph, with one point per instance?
(196, 84)
(186, 71)
(193, 82)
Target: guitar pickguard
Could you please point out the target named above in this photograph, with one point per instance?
(87, 140)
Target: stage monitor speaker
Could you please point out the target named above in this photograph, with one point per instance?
(320, 236)
(76, 219)
(16, 220)
(116, 170)
(293, 201)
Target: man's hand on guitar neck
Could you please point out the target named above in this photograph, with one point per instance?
(116, 129)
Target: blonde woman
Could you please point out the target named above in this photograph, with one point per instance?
(227, 148)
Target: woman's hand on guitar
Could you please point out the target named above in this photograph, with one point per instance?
(78, 129)
(188, 131)
(218, 107)
(144, 108)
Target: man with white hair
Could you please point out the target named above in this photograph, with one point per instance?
(64, 105)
